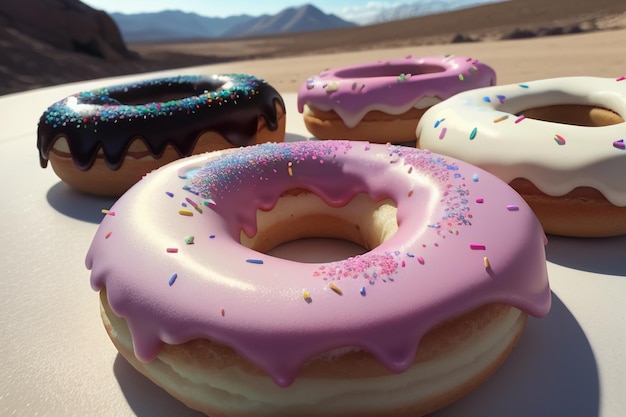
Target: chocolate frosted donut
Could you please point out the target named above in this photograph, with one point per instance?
(112, 136)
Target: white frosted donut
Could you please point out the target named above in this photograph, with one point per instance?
(559, 142)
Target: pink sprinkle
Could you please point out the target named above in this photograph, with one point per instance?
(477, 246)
(559, 139)
(619, 144)
(512, 207)
(420, 260)
(107, 235)
(172, 250)
(622, 78)
(519, 119)
(443, 133)
(223, 312)
(480, 200)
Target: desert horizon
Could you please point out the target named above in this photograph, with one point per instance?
(519, 38)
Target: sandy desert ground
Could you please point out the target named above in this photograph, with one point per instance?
(521, 39)
(600, 54)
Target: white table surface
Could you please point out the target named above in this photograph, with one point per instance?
(56, 359)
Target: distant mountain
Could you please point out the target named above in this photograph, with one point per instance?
(174, 25)
(307, 18)
(423, 8)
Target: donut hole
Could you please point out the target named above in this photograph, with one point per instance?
(574, 114)
(391, 70)
(303, 228)
(164, 92)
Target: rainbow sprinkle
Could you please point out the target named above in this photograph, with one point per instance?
(472, 135)
(185, 213)
(194, 204)
(560, 140)
(172, 279)
(307, 296)
(255, 261)
(477, 246)
(619, 144)
(335, 288)
(331, 88)
(172, 250)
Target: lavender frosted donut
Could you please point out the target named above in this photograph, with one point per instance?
(455, 261)
(103, 141)
(383, 101)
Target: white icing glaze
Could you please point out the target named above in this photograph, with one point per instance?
(484, 128)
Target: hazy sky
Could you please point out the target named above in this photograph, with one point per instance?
(355, 10)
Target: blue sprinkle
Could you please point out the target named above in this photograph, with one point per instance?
(169, 194)
(410, 255)
(255, 261)
(212, 237)
(486, 99)
(362, 292)
(475, 178)
(172, 279)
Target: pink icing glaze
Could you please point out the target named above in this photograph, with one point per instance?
(451, 216)
(394, 86)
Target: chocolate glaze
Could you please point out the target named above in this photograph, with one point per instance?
(166, 111)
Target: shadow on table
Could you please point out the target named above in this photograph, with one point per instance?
(552, 372)
(76, 204)
(602, 256)
(145, 398)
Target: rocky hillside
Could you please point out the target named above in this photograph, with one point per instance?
(47, 42)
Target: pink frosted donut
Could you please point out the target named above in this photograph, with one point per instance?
(455, 261)
(383, 101)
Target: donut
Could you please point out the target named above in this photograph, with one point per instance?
(453, 263)
(103, 141)
(559, 142)
(383, 101)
